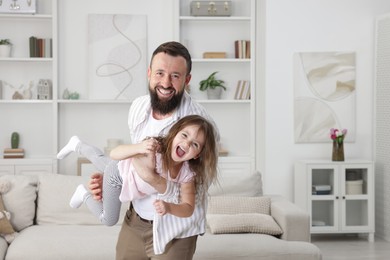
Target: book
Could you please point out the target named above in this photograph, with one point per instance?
(248, 50)
(242, 49)
(247, 91)
(33, 46)
(242, 90)
(13, 150)
(12, 156)
(238, 89)
(214, 55)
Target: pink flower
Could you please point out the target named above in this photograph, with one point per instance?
(337, 135)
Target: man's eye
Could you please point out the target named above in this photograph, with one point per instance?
(175, 76)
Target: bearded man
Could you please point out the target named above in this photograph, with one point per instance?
(151, 115)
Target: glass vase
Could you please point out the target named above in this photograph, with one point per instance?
(338, 151)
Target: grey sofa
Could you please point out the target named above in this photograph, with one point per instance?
(49, 229)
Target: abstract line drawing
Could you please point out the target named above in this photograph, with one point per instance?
(117, 46)
(324, 95)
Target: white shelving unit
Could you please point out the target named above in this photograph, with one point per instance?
(38, 136)
(217, 34)
(339, 196)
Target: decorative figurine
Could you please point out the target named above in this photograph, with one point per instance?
(44, 89)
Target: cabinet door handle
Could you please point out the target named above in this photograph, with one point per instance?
(337, 197)
(343, 197)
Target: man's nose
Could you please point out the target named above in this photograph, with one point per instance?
(166, 81)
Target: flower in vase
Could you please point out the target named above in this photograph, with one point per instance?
(338, 135)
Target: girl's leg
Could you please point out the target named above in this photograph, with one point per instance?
(92, 153)
(107, 210)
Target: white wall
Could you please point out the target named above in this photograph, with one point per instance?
(73, 32)
(306, 25)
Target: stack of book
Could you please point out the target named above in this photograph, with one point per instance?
(41, 48)
(321, 189)
(242, 49)
(243, 90)
(10, 153)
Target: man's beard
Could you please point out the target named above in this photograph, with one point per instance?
(167, 106)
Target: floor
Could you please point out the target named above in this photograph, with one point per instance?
(351, 247)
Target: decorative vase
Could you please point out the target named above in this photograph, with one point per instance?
(338, 151)
(214, 93)
(5, 50)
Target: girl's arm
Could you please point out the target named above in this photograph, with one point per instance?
(186, 206)
(125, 151)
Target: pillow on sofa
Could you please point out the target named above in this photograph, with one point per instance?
(54, 193)
(229, 214)
(243, 223)
(20, 200)
(236, 205)
(233, 183)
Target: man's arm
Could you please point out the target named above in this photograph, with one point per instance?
(95, 185)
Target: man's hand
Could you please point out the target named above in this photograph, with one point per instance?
(95, 185)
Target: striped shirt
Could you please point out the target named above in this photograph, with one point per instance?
(167, 227)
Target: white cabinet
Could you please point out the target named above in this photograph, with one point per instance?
(339, 196)
(235, 118)
(35, 120)
(25, 166)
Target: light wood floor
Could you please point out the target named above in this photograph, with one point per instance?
(351, 247)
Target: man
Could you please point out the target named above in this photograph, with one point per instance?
(168, 74)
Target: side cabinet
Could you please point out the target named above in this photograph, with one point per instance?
(339, 196)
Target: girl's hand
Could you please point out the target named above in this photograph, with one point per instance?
(161, 207)
(147, 146)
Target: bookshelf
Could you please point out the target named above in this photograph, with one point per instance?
(21, 73)
(221, 34)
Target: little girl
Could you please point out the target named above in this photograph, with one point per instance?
(187, 155)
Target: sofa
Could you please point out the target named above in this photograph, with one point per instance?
(46, 228)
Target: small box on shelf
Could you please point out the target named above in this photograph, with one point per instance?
(18, 7)
(211, 8)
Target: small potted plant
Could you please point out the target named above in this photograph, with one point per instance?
(5, 48)
(213, 86)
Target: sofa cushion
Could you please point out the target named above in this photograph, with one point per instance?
(54, 193)
(249, 246)
(64, 242)
(244, 183)
(236, 205)
(243, 223)
(20, 200)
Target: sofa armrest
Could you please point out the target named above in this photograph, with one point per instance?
(294, 221)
